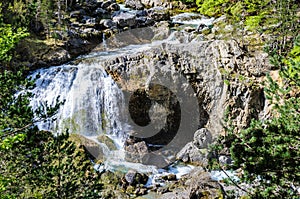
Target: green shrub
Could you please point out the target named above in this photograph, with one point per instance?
(212, 8)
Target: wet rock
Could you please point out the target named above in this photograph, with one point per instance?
(57, 57)
(133, 178)
(107, 141)
(77, 46)
(189, 29)
(88, 20)
(108, 23)
(141, 13)
(158, 14)
(169, 177)
(225, 160)
(108, 3)
(201, 27)
(137, 148)
(144, 21)
(197, 184)
(99, 12)
(92, 147)
(134, 4)
(125, 20)
(113, 7)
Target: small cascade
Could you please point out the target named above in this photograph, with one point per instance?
(104, 42)
(193, 19)
(93, 101)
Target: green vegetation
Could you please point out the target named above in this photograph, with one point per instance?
(254, 15)
(212, 7)
(9, 37)
(35, 164)
(268, 151)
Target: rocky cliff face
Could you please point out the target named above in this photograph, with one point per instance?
(221, 74)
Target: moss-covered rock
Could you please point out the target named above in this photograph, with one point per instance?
(107, 141)
(91, 146)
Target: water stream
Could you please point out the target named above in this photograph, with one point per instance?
(93, 103)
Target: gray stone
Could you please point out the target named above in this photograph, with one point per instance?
(125, 20)
(99, 12)
(113, 7)
(196, 151)
(185, 151)
(58, 56)
(189, 29)
(190, 153)
(133, 178)
(158, 14)
(108, 3)
(138, 148)
(155, 3)
(169, 177)
(141, 13)
(202, 138)
(108, 23)
(134, 4)
(197, 184)
(135, 152)
(225, 160)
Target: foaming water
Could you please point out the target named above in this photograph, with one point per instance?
(93, 103)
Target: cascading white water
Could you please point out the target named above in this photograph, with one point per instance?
(94, 105)
(93, 101)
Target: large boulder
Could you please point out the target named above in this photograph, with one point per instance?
(92, 147)
(196, 150)
(154, 3)
(57, 57)
(133, 178)
(108, 23)
(197, 184)
(190, 153)
(202, 138)
(136, 151)
(134, 4)
(125, 20)
(158, 14)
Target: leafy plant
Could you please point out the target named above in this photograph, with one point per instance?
(9, 37)
(211, 7)
(36, 164)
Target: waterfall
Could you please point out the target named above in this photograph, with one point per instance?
(93, 102)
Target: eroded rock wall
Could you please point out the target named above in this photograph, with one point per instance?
(223, 77)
